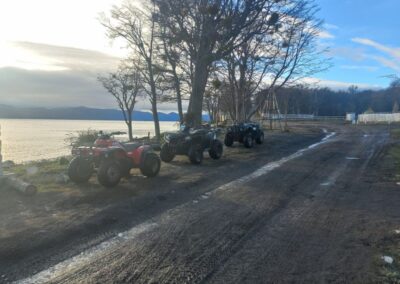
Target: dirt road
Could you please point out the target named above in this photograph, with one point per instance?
(283, 213)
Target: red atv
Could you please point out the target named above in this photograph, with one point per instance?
(112, 160)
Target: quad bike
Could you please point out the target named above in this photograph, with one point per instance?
(246, 133)
(192, 143)
(112, 160)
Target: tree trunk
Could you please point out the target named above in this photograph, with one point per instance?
(179, 98)
(130, 131)
(198, 89)
(237, 116)
(156, 121)
(155, 110)
(154, 102)
(286, 98)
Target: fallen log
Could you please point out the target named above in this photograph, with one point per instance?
(15, 183)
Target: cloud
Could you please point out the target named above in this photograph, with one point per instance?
(354, 54)
(360, 67)
(389, 57)
(325, 31)
(38, 56)
(325, 35)
(392, 51)
(44, 88)
(331, 27)
(387, 62)
(60, 77)
(67, 88)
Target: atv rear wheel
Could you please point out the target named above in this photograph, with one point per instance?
(80, 170)
(216, 150)
(167, 154)
(196, 154)
(229, 140)
(109, 174)
(260, 138)
(248, 141)
(151, 165)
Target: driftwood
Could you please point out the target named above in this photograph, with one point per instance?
(16, 184)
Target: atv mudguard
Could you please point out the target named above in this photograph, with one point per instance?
(140, 154)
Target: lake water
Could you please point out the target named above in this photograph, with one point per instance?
(30, 140)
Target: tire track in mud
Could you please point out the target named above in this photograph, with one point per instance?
(285, 235)
(87, 256)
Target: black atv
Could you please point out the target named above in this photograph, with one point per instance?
(245, 133)
(192, 143)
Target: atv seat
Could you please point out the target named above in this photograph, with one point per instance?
(131, 146)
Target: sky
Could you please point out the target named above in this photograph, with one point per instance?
(364, 40)
(52, 51)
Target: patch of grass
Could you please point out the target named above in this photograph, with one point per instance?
(395, 133)
(43, 174)
(394, 151)
(390, 246)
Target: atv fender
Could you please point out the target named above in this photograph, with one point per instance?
(142, 151)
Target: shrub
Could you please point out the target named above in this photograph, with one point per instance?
(82, 138)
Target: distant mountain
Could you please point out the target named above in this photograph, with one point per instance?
(79, 113)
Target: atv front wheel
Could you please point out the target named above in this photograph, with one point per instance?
(109, 174)
(248, 141)
(167, 154)
(260, 139)
(151, 165)
(216, 150)
(229, 140)
(196, 154)
(80, 170)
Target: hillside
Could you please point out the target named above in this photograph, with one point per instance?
(78, 113)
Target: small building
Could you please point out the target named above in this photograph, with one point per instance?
(351, 117)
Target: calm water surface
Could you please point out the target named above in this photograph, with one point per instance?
(30, 140)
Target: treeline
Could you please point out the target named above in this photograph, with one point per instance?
(326, 102)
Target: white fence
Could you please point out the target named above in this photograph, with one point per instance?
(379, 118)
(301, 117)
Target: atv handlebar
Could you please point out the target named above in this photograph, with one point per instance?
(102, 134)
(117, 133)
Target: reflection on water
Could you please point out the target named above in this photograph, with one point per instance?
(28, 140)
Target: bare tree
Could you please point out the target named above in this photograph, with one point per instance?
(125, 86)
(246, 68)
(208, 30)
(173, 74)
(212, 100)
(137, 26)
(283, 54)
(297, 53)
(395, 83)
